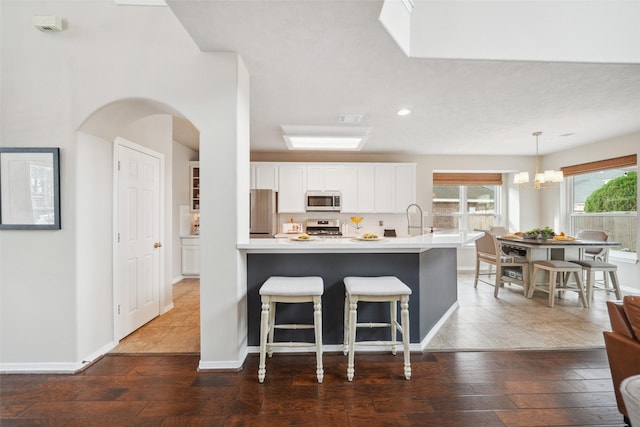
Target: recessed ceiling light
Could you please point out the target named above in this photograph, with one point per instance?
(334, 138)
(568, 134)
(403, 112)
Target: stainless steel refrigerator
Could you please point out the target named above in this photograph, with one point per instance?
(264, 213)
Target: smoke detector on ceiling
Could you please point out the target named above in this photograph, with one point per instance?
(47, 22)
(350, 118)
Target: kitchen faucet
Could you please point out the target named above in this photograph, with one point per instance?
(409, 226)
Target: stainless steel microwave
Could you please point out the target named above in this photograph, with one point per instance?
(324, 201)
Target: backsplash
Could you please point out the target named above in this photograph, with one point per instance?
(370, 221)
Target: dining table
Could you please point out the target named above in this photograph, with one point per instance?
(549, 249)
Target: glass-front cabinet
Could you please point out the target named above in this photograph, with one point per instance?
(194, 186)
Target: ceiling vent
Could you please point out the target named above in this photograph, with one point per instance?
(350, 118)
(47, 22)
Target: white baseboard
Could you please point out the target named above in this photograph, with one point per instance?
(438, 325)
(229, 365)
(55, 367)
(177, 279)
(167, 308)
(41, 368)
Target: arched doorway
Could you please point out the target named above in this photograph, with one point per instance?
(161, 128)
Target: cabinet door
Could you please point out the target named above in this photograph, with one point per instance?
(315, 178)
(348, 179)
(331, 177)
(191, 260)
(265, 176)
(366, 189)
(292, 185)
(384, 188)
(405, 187)
(323, 177)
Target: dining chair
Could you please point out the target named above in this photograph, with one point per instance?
(488, 251)
(595, 254)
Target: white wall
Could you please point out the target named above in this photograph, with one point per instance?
(94, 299)
(51, 83)
(222, 266)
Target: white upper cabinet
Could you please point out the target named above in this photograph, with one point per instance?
(348, 179)
(264, 176)
(384, 193)
(292, 186)
(394, 188)
(405, 186)
(323, 177)
(365, 187)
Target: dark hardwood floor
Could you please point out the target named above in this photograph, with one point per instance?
(495, 388)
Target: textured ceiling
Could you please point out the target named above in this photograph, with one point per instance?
(310, 61)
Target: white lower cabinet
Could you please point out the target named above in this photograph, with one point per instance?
(190, 256)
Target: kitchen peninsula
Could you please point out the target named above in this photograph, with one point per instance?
(426, 263)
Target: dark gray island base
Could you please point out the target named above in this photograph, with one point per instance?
(431, 275)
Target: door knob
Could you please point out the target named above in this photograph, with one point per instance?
(157, 245)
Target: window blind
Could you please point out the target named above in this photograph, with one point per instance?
(615, 163)
(467, 179)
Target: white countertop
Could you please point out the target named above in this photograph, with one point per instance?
(438, 239)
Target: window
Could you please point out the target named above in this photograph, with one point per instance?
(468, 202)
(603, 196)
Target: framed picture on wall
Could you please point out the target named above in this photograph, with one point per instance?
(30, 188)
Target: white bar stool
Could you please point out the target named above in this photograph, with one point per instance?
(290, 290)
(376, 289)
(553, 267)
(591, 267)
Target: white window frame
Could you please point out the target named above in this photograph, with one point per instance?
(463, 215)
(618, 255)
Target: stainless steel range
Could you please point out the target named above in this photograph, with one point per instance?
(323, 227)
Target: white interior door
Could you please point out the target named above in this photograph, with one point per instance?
(139, 246)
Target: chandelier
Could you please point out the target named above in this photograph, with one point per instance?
(546, 179)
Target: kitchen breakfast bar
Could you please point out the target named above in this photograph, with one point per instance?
(426, 263)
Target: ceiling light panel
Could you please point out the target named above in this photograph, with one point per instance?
(328, 138)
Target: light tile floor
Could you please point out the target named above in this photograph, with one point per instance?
(481, 322)
(512, 321)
